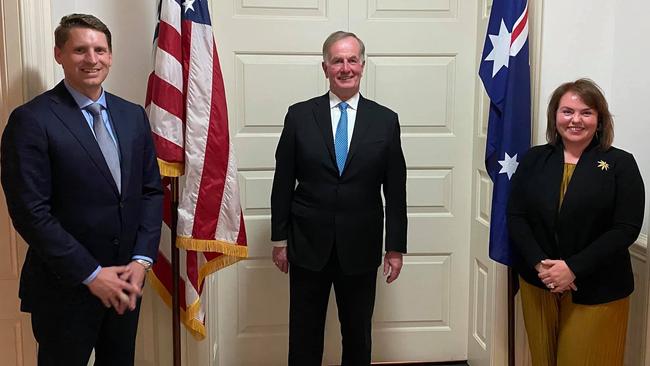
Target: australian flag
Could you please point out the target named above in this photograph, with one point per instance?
(505, 72)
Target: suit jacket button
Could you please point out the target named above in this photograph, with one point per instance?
(116, 242)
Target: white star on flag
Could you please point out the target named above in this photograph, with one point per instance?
(189, 4)
(500, 53)
(509, 165)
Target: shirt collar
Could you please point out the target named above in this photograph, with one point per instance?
(82, 100)
(352, 102)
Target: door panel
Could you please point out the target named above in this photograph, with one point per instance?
(421, 63)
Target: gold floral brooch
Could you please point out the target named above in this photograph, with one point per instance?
(603, 165)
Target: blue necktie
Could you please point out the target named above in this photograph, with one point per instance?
(341, 138)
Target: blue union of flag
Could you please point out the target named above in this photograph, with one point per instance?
(505, 72)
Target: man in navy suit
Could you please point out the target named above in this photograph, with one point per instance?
(341, 149)
(83, 189)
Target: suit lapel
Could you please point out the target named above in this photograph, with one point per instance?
(66, 109)
(120, 122)
(361, 124)
(323, 117)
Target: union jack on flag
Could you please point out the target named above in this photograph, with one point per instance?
(186, 104)
(505, 72)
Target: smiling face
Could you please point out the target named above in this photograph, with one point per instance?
(344, 67)
(86, 59)
(576, 122)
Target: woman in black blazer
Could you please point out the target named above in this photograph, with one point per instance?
(575, 207)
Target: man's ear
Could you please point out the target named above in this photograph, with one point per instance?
(57, 54)
(324, 66)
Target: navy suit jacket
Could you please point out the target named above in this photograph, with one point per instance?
(600, 217)
(62, 198)
(325, 209)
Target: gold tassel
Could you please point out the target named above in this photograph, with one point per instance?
(202, 245)
(168, 169)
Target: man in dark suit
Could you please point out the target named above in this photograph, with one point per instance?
(83, 189)
(341, 149)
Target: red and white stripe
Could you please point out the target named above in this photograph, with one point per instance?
(186, 104)
(519, 33)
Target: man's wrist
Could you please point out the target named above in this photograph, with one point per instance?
(144, 263)
(92, 276)
(279, 243)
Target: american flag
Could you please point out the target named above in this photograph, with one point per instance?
(186, 104)
(505, 72)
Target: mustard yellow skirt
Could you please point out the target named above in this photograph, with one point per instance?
(561, 333)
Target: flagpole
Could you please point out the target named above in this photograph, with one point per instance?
(511, 317)
(176, 318)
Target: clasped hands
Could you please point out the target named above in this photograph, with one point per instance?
(119, 287)
(556, 275)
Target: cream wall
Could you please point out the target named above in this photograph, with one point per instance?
(631, 85)
(602, 40)
(132, 25)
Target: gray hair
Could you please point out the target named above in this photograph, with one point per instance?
(337, 36)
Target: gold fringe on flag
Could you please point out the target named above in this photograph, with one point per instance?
(168, 169)
(215, 265)
(188, 317)
(193, 325)
(202, 245)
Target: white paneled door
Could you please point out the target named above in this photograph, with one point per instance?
(421, 63)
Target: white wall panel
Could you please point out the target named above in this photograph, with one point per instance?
(281, 8)
(11, 334)
(430, 190)
(420, 87)
(480, 304)
(263, 299)
(419, 300)
(262, 102)
(483, 197)
(255, 190)
(427, 233)
(413, 9)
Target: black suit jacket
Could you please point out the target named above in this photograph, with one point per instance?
(325, 209)
(62, 198)
(600, 217)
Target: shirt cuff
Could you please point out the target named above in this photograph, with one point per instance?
(279, 244)
(92, 276)
(142, 257)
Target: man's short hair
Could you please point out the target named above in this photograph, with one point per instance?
(337, 36)
(62, 32)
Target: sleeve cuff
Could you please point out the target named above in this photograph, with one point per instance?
(279, 244)
(92, 276)
(144, 257)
